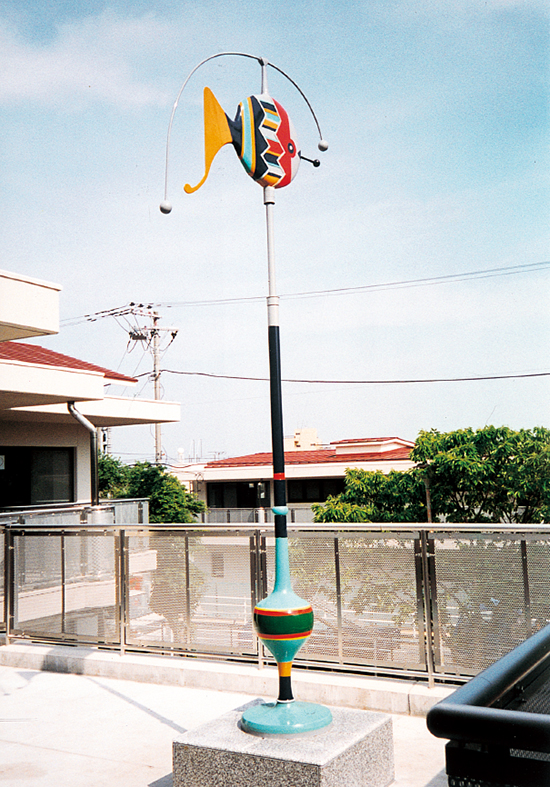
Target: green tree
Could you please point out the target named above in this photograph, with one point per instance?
(113, 476)
(494, 474)
(169, 500)
(375, 497)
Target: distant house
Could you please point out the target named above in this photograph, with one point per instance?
(313, 472)
(45, 451)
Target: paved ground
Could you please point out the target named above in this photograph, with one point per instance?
(63, 730)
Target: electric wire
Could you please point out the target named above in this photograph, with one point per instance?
(359, 382)
(365, 288)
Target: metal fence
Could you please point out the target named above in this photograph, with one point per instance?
(435, 601)
(109, 512)
(242, 516)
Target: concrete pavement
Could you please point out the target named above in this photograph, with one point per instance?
(83, 730)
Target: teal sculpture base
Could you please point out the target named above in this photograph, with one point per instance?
(285, 718)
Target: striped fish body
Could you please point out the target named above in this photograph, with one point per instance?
(265, 141)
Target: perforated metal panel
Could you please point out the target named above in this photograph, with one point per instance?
(537, 572)
(373, 592)
(38, 597)
(65, 586)
(363, 592)
(191, 592)
(90, 603)
(480, 592)
(313, 572)
(379, 605)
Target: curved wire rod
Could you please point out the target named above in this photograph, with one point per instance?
(301, 92)
(212, 57)
(263, 62)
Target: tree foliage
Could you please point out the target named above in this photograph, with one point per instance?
(113, 476)
(376, 497)
(169, 500)
(493, 474)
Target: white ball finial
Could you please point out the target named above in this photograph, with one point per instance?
(165, 207)
(323, 145)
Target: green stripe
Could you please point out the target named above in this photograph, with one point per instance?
(283, 624)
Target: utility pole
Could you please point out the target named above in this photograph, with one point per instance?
(156, 383)
(152, 335)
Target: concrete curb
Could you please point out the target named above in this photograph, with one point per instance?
(329, 688)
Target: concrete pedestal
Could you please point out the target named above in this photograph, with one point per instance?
(356, 750)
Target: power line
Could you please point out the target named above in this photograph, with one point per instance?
(451, 278)
(365, 288)
(359, 382)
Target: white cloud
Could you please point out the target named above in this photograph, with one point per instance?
(88, 60)
(457, 7)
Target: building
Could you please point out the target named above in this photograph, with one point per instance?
(51, 404)
(313, 471)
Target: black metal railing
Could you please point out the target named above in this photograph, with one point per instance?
(437, 602)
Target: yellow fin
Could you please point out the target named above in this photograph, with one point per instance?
(216, 134)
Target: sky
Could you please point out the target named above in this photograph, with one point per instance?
(420, 246)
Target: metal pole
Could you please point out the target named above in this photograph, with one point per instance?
(122, 586)
(277, 433)
(526, 589)
(338, 598)
(428, 609)
(276, 399)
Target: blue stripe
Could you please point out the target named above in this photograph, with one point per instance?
(247, 151)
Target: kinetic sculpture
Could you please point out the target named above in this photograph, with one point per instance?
(264, 139)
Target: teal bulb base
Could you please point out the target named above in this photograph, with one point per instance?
(273, 719)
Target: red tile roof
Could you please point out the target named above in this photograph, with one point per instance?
(321, 456)
(367, 440)
(31, 353)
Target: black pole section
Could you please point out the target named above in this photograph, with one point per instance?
(285, 689)
(277, 434)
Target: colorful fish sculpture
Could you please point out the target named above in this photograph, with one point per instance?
(262, 134)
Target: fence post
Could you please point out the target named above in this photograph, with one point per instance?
(8, 581)
(63, 584)
(423, 604)
(526, 590)
(338, 597)
(187, 593)
(122, 586)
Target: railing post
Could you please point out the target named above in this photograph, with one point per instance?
(9, 581)
(423, 604)
(526, 589)
(187, 592)
(338, 598)
(63, 581)
(122, 585)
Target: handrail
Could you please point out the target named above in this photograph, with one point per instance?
(469, 715)
(317, 527)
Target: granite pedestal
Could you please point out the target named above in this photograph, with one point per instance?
(356, 750)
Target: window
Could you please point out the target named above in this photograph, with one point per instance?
(241, 494)
(36, 476)
(313, 490)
